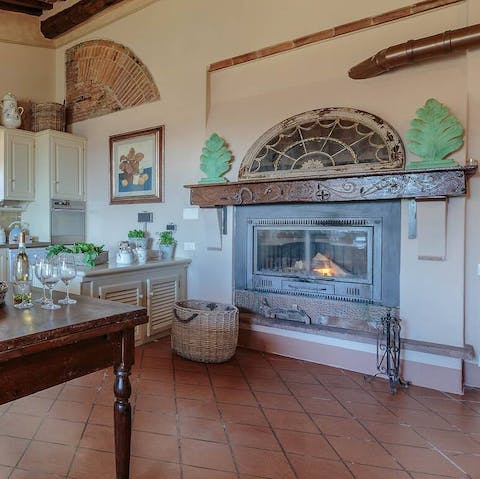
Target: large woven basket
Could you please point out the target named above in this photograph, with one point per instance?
(205, 332)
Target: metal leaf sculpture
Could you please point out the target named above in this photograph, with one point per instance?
(215, 160)
(433, 135)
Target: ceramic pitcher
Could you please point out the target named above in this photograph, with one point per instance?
(11, 113)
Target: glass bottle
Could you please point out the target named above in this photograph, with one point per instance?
(22, 295)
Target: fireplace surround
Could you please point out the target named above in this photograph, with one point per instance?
(278, 248)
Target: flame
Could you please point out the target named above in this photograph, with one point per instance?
(323, 271)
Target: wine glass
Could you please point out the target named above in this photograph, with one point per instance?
(22, 295)
(68, 271)
(37, 269)
(51, 276)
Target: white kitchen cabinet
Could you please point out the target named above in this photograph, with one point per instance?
(155, 285)
(60, 160)
(67, 166)
(17, 159)
(3, 264)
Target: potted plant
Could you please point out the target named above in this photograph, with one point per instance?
(166, 244)
(138, 238)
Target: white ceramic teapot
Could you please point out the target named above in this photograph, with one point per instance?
(124, 254)
(11, 113)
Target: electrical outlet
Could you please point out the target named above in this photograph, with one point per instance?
(189, 246)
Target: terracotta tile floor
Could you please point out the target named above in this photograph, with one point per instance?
(258, 416)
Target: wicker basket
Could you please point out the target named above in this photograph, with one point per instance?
(48, 116)
(205, 332)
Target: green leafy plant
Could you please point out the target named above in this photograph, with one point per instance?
(433, 135)
(215, 160)
(136, 234)
(89, 251)
(166, 238)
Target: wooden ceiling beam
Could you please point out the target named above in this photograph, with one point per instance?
(37, 4)
(11, 7)
(58, 24)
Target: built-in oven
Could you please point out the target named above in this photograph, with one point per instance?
(67, 221)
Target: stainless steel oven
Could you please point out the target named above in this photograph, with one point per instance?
(67, 221)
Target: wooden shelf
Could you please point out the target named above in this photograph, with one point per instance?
(432, 183)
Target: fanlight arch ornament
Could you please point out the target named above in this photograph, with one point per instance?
(330, 141)
(103, 77)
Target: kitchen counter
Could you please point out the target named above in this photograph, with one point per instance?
(156, 285)
(86, 273)
(35, 244)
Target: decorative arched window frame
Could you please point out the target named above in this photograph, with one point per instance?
(324, 142)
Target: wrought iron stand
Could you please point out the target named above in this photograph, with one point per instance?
(388, 352)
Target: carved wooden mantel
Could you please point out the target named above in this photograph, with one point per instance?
(442, 182)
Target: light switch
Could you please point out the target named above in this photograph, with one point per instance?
(190, 213)
(187, 246)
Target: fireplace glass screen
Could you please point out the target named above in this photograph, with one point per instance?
(314, 253)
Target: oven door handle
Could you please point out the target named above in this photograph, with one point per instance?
(66, 210)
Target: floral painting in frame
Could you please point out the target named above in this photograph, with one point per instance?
(136, 166)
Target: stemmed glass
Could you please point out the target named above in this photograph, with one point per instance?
(68, 271)
(51, 276)
(37, 269)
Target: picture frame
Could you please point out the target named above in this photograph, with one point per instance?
(136, 166)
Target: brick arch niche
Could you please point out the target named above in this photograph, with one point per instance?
(104, 77)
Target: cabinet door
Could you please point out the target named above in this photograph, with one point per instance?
(20, 166)
(67, 168)
(161, 296)
(129, 293)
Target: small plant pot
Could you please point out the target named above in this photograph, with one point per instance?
(140, 242)
(166, 251)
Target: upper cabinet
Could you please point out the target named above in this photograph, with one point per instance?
(66, 154)
(60, 160)
(17, 157)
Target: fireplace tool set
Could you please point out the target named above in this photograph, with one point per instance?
(388, 352)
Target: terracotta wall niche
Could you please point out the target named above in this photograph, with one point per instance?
(103, 77)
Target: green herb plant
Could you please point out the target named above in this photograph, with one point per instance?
(89, 251)
(136, 234)
(166, 238)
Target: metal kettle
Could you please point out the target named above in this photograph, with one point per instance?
(16, 228)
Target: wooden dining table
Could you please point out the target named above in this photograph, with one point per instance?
(41, 348)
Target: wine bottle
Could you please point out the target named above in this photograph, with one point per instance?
(22, 277)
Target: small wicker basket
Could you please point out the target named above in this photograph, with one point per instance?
(205, 332)
(48, 116)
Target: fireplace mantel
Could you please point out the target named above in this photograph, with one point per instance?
(432, 183)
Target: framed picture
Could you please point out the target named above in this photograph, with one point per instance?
(136, 166)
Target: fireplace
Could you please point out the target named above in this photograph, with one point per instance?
(334, 257)
(318, 263)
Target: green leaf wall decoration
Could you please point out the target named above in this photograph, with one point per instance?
(215, 160)
(433, 135)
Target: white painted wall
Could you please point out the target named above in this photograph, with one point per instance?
(27, 71)
(177, 39)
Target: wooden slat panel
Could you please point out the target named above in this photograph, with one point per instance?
(162, 296)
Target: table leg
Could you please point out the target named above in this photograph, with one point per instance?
(122, 409)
